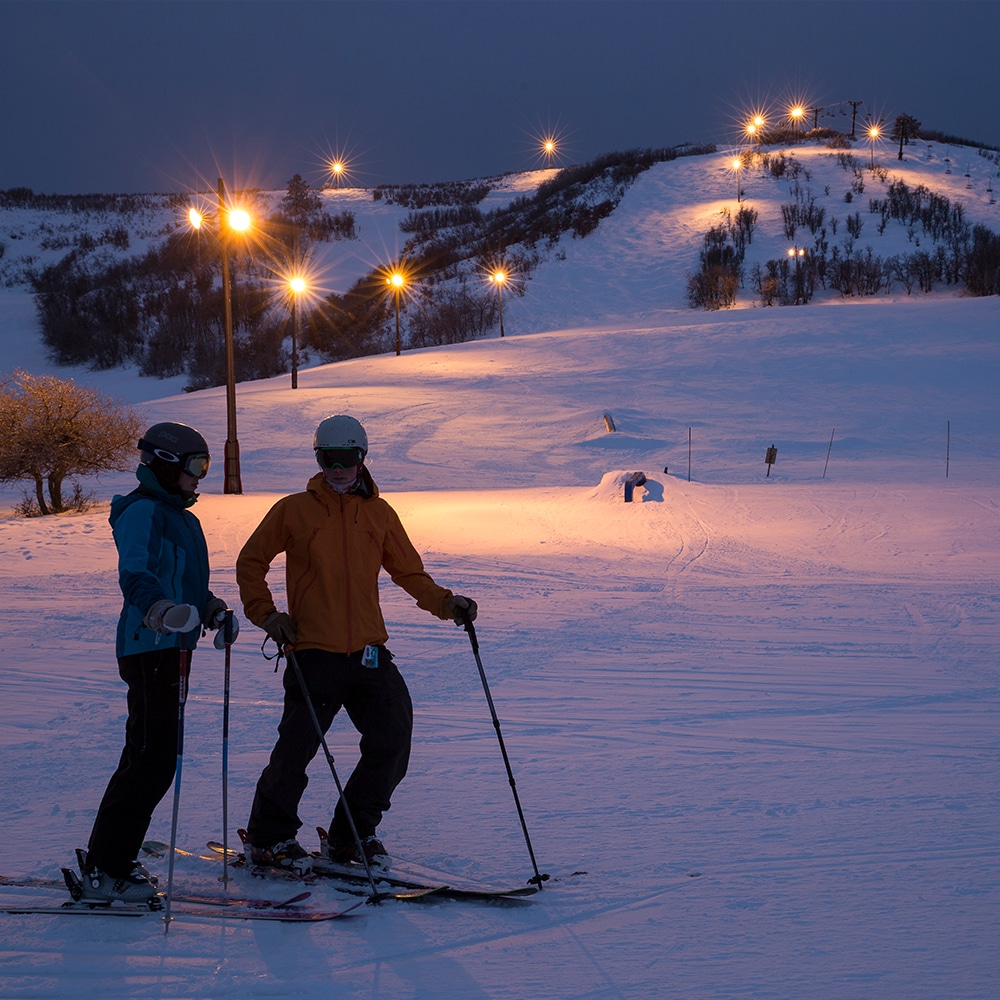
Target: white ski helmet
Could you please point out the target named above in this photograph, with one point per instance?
(340, 431)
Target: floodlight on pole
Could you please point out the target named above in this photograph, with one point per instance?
(337, 167)
(798, 254)
(238, 220)
(499, 278)
(754, 130)
(873, 131)
(296, 286)
(736, 165)
(397, 282)
(232, 481)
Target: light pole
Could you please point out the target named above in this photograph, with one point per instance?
(396, 282)
(499, 278)
(798, 255)
(755, 130)
(873, 132)
(238, 220)
(296, 286)
(737, 165)
(796, 115)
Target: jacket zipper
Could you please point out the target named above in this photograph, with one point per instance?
(347, 576)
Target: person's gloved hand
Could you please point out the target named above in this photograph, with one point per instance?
(165, 616)
(462, 609)
(220, 637)
(215, 617)
(215, 612)
(279, 627)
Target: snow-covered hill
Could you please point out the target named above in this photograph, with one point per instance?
(786, 683)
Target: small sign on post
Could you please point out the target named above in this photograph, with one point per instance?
(771, 456)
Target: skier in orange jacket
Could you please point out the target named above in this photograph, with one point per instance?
(337, 536)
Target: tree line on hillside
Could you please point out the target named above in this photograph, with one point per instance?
(452, 249)
(960, 253)
(164, 310)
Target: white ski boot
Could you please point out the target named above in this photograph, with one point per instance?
(98, 888)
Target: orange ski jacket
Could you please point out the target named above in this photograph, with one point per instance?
(335, 546)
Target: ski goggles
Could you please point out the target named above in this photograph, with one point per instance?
(339, 458)
(195, 464)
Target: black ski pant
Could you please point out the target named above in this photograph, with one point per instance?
(377, 702)
(147, 764)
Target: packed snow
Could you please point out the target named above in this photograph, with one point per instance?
(757, 707)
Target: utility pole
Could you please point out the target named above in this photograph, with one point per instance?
(854, 114)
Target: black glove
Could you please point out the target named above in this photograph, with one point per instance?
(279, 627)
(462, 609)
(215, 612)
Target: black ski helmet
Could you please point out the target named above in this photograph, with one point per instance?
(172, 448)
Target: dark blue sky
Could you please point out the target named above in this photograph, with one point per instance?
(143, 95)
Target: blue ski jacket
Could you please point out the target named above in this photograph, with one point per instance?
(162, 554)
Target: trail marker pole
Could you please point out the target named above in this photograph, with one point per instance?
(828, 450)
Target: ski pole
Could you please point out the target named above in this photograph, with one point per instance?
(227, 635)
(184, 669)
(293, 660)
(468, 626)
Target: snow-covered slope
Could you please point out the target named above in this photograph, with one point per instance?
(785, 683)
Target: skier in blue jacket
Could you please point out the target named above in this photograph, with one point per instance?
(163, 574)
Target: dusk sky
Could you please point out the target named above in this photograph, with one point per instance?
(143, 96)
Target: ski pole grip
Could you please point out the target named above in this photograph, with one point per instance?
(471, 629)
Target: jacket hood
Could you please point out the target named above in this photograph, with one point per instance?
(149, 488)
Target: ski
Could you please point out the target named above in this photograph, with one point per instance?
(408, 879)
(228, 912)
(72, 881)
(159, 849)
(179, 897)
(356, 887)
(412, 877)
(398, 871)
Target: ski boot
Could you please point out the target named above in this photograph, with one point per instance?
(346, 852)
(288, 854)
(95, 887)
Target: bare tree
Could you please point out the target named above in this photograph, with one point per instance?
(52, 428)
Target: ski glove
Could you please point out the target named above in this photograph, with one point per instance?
(215, 612)
(462, 609)
(165, 616)
(215, 617)
(279, 627)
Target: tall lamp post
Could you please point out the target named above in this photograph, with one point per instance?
(238, 220)
(798, 255)
(873, 131)
(296, 286)
(737, 165)
(396, 282)
(754, 130)
(499, 278)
